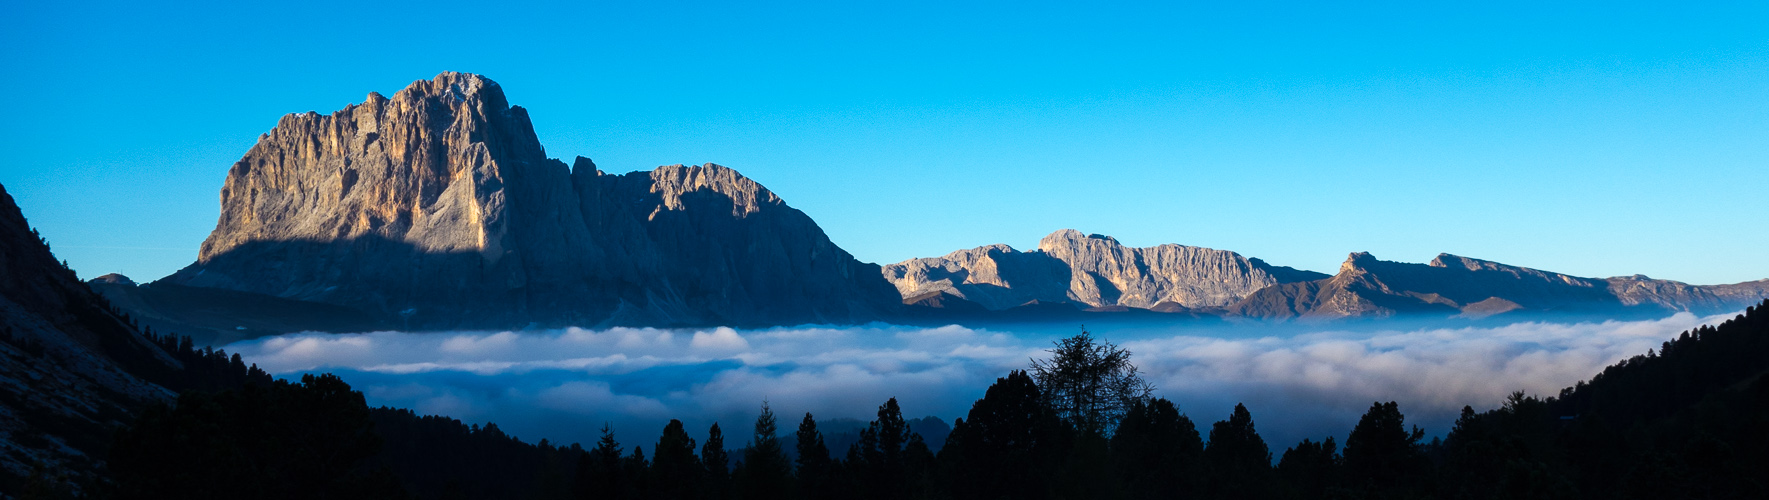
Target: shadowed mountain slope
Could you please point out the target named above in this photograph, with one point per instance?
(217, 316)
(71, 370)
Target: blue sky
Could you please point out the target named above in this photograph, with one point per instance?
(1595, 139)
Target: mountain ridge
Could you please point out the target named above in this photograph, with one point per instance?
(1460, 286)
(1093, 270)
(438, 208)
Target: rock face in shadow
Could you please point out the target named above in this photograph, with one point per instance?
(1092, 270)
(71, 370)
(217, 316)
(438, 207)
(1454, 285)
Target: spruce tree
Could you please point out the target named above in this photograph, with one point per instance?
(635, 469)
(1381, 457)
(767, 473)
(717, 462)
(814, 467)
(599, 473)
(675, 472)
(1009, 445)
(1236, 458)
(1157, 451)
(1310, 469)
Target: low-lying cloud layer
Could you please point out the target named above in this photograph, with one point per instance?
(564, 384)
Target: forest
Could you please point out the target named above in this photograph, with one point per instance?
(1687, 420)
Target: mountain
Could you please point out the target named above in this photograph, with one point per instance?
(71, 369)
(438, 207)
(216, 316)
(1452, 285)
(1093, 271)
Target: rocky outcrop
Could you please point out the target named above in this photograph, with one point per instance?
(70, 369)
(1454, 285)
(996, 277)
(438, 207)
(1092, 270)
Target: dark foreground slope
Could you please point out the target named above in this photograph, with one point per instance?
(438, 207)
(1688, 421)
(70, 368)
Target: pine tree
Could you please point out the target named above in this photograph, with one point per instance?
(1381, 457)
(675, 472)
(766, 470)
(1157, 451)
(717, 462)
(636, 468)
(1237, 459)
(599, 473)
(1009, 445)
(890, 461)
(814, 466)
(1310, 469)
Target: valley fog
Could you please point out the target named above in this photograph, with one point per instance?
(1298, 381)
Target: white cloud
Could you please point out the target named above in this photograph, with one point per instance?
(721, 339)
(1298, 382)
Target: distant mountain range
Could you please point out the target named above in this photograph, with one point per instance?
(437, 207)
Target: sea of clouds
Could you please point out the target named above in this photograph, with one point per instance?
(1299, 381)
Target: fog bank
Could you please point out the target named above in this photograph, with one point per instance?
(1298, 381)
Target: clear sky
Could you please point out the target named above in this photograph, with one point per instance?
(1595, 139)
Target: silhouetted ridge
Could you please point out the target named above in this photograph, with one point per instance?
(71, 366)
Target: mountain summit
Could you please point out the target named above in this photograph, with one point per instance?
(439, 207)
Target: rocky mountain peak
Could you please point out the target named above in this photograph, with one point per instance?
(1357, 260)
(439, 206)
(458, 87)
(1071, 238)
(672, 182)
(1446, 260)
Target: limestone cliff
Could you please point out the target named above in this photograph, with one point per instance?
(1093, 270)
(438, 207)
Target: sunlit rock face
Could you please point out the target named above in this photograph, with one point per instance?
(438, 206)
(1093, 270)
(1097, 272)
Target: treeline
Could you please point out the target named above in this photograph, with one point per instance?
(1690, 420)
(205, 369)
